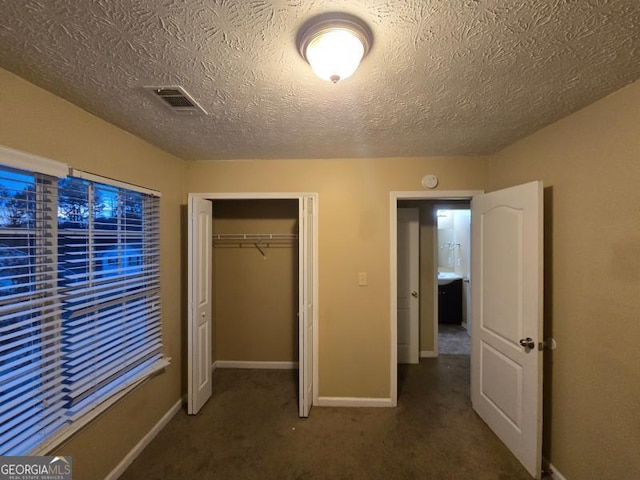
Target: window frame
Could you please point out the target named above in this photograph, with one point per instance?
(46, 170)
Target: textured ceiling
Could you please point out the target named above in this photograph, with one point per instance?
(455, 77)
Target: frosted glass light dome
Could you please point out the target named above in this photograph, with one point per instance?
(335, 54)
(334, 47)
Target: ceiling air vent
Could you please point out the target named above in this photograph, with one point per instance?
(176, 99)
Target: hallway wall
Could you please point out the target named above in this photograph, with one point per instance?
(590, 165)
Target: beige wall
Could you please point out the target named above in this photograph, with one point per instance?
(354, 327)
(255, 296)
(36, 121)
(428, 271)
(590, 165)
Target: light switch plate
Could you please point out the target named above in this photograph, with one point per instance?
(362, 279)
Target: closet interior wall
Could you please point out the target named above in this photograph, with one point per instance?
(255, 283)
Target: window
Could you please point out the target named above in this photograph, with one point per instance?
(80, 320)
(30, 357)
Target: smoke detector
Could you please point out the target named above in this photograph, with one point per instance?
(176, 99)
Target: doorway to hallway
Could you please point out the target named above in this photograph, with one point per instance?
(453, 266)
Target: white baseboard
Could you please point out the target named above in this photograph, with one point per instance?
(555, 474)
(352, 402)
(146, 440)
(264, 365)
(428, 354)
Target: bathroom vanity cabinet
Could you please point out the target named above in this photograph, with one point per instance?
(450, 303)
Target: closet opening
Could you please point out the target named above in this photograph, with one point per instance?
(255, 284)
(252, 289)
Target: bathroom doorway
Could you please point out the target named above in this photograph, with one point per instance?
(453, 254)
(446, 254)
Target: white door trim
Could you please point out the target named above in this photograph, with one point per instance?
(284, 196)
(393, 267)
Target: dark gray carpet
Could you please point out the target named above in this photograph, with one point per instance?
(250, 430)
(453, 340)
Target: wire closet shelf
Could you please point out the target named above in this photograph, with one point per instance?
(257, 240)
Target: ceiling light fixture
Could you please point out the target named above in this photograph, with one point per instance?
(334, 44)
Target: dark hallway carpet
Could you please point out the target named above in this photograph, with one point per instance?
(250, 430)
(453, 340)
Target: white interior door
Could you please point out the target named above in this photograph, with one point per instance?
(200, 291)
(506, 364)
(305, 305)
(408, 285)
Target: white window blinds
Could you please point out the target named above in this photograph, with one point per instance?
(80, 320)
(31, 394)
(108, 240)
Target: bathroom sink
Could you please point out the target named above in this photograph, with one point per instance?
(445, 278)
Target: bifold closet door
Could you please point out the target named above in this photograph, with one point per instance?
(200, 304)
(306, 304)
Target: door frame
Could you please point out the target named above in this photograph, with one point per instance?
(394, 196)
(299, 196)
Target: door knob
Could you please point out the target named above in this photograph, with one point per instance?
(528, 344)
(414, 294)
